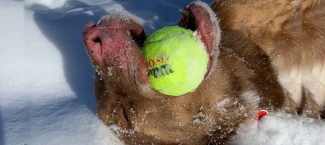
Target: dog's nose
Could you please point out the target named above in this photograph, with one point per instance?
(92, 38)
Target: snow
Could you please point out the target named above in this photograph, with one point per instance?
(282, 129)
(46, 94)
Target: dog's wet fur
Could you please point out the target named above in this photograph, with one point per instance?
(263, 55)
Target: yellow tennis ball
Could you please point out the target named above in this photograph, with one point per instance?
(177, 60)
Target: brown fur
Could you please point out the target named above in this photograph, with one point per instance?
(290, 32)
(260, 39)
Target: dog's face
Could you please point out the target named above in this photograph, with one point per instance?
(140, 114)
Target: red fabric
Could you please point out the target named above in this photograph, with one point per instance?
(261, 113)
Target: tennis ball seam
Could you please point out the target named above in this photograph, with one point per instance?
(169, 37)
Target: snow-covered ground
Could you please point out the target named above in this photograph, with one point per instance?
(46, 94)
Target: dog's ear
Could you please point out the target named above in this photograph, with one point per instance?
(199, 17)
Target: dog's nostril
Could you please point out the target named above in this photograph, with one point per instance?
(96, 40)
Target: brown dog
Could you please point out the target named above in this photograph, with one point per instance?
(263, 47)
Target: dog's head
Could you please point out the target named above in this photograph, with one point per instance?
(139, 114)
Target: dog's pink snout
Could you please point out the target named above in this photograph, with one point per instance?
(93, 40)
(116, 43)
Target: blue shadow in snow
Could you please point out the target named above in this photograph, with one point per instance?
(65, 32)
(2, 138)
